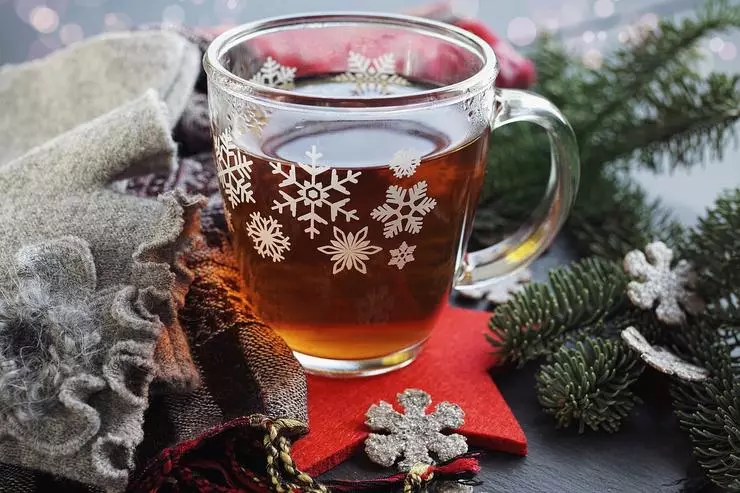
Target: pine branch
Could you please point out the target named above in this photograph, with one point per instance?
(644, 107)
(714, 248)
(533, 322)
(710, 412)
(614, 215)
(589, 384)
(659, 54)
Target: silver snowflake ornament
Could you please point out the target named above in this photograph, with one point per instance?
(501, 291)
(661, 359)
(655, 281)
(414, 434)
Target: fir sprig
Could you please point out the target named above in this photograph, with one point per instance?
(644, 107)
(589, 384)
(719, 275)
(534, 321)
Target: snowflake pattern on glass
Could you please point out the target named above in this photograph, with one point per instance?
(267, 235)
(250, 117)
(404, 162)
(349, 251)
(371, 76)
(233, 170)
(393, 214)
(272, 74)
(402, 255)
(314, 193)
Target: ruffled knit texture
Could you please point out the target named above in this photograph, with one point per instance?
(90, 279)
(72, 424)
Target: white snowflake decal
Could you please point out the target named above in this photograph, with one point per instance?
(349, 251)
(404, 162)
(371, 76)
(272, 74)
(402, 255)
(314, 193)
(267, 235)
(233, 170)
(251, 118)
(503, 289)
(394, 214)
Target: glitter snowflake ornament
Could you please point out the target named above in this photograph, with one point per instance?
(413, 434)
(321, 191)
(501, 291)
(371, 76)
(661, 359)
(272, 74)
(655, 281)
(267, 235)
(404, 209)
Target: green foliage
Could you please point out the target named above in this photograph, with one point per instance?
(534, 321)
(719, 275)
(589, 384)
(643, 107)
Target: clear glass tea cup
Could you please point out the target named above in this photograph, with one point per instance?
(351, 149)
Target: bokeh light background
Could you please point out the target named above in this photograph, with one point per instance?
(591, 28)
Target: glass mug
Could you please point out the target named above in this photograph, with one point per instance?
(350, 150)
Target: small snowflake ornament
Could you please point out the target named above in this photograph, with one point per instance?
(501, 291)
(655, 281)
(413, 434)
(661, 359)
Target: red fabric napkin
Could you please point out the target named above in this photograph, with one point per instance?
(453, 366)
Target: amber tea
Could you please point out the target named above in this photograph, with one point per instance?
(350, 234)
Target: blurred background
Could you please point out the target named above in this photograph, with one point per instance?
(33, 28)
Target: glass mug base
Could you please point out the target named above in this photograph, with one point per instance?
(359, 368)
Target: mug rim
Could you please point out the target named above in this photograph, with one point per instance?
(483, 78)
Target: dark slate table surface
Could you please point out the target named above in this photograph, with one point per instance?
(649, 454)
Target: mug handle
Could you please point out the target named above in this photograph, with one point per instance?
(489, 265)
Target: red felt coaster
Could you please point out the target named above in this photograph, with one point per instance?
(453, 366)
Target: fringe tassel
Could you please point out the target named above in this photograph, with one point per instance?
(464, 467)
